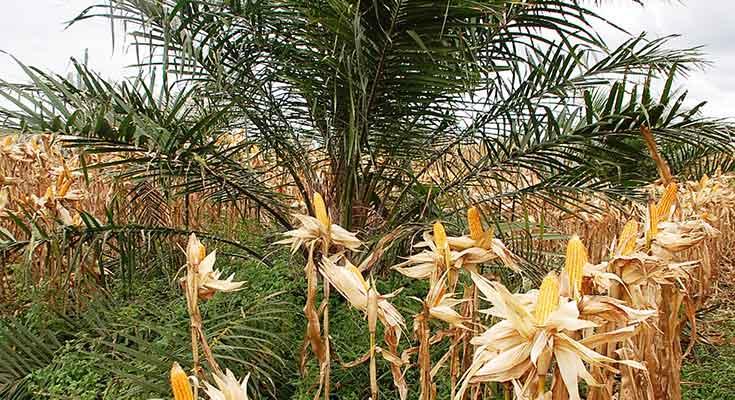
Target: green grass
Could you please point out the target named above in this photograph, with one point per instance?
(709, 373)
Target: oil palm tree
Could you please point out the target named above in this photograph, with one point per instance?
(395, 110)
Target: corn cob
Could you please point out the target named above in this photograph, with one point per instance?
(195, 251)
(626, 241)
(667, 201)
(475, 224)
(180, 384)
(652, 228)
(575, 261)
(440, 235)
(548, 298)
(320, 210)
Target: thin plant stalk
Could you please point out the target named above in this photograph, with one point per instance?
(372, 314)
(421, 327)
(195, 318)
(327, 374)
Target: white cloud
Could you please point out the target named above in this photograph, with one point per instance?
(33, 31)
(709, 26)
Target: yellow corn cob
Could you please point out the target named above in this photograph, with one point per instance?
(202, 251)
(180, 384)
(60, 180)
(473, 220)
(320, 210)
(626, 241)
(67, 172)
(574, 266)
(703, 182)
(548, 298)
(668, 199)
(195, 251)
(440, 235)
(442, 246)
(652, 228)
(64, 189)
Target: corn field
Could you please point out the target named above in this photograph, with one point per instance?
(361, 200)
(612, 315)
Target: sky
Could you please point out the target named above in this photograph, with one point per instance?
(710, 26)
(36, 33)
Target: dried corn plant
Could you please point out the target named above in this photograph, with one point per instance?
(615, 324)
(633, 297)
(658, 269)
(442, 264)
(557, 326)
(65, 222)
(657, 272)
(201, 282)
(318, 231)
(44, 197)
(364, 296)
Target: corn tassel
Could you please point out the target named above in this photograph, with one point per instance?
(548, 298)
(575, 261)
(180, 384)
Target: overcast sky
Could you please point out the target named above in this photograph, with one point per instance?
(33, 31)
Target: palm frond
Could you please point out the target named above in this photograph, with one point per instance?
(22, 352)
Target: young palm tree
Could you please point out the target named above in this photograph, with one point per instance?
(394, 110)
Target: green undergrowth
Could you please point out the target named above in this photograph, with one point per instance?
(122, 345)
(709, 373)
